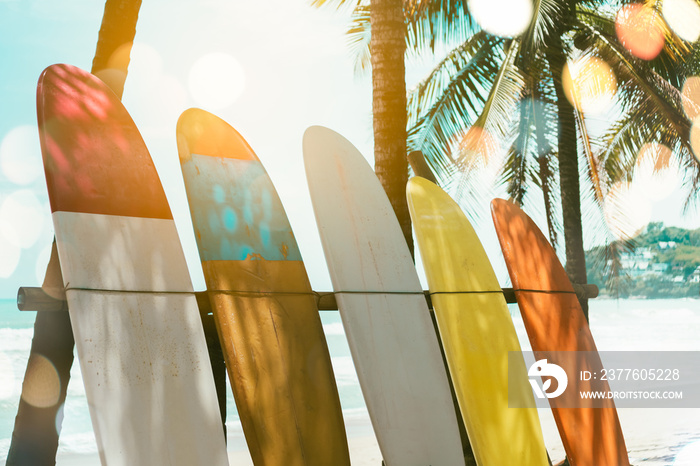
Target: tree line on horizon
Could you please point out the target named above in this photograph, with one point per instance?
(676, 248)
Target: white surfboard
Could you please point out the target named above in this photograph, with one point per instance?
(139, 337)
(387, 321)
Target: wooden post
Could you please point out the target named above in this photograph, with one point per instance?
(35, 299)
(35, 435)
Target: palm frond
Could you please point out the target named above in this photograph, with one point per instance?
(547, 13)
(593, 167)
(337, 4)
(435, 23)
(653, 105)
(516, 167)
(496, 115)
(359, 34)
(444, 104)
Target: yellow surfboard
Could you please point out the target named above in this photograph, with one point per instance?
(477, 332)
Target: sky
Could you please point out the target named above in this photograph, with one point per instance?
(270, 69)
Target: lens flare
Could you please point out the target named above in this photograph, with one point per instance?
(505, 18)
(691, 97)
(590, 84)
(42, 385)
(626, 210)
(216, 80)
(656, 172)
(20, 155)
(21, 219)
(640, 29)
(683, 16)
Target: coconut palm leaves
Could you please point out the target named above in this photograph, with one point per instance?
(524, 114)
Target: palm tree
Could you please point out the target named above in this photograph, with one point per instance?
(386, 47)
(35, 434)
(485, 80)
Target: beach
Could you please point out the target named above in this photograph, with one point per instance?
(653, 436)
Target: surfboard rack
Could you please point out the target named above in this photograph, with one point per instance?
(36, 299)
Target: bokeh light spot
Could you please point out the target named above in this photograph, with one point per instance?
(505, 18)
(42, 385)
(640, 30)
(656, 172)
(21, 218)
(691, 97)
(9, 258)
(20, 155)
(695, 137)
(216, 80)
(626, 210)
(683, 16)
(590, 84)
(478, 148)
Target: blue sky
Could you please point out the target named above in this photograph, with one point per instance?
(295, 73)
(288, 68)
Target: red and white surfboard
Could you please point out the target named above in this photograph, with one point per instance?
(142, 352)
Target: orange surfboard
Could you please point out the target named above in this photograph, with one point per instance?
(557, 328)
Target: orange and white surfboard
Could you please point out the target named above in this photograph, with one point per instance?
(140, 343)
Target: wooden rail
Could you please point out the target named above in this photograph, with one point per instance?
(36, 299)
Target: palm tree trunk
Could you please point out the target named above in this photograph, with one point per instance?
(569, 174)
(35, 435)
(114, 42)
(388, 47)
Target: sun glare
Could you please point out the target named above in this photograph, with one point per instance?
(506, 18)
(216, 80)
(683, 16)
(590, 84)
(20, 155)
(640, 29)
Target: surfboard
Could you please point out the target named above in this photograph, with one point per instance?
(139, 337)
(556, 326)
(266, 314)
(477, 332)
(386, 319)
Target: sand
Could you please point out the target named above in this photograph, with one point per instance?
(653, 436)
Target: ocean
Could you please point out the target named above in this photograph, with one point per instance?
(653, 436)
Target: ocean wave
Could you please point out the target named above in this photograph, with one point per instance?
(78, 443)
(16, 339)
(335, 328)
